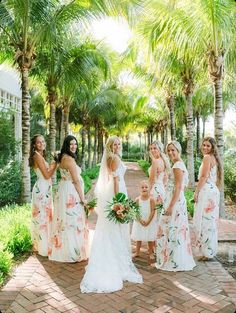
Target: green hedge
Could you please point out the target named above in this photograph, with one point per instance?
(10, 183)
(144, 165)
(88, 175)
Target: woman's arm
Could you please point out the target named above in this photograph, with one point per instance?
(113, 165)
(178, 175)
(152, 211)
(70, 164)
(206, 167)
(40, 163)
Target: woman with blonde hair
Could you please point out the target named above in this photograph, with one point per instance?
(159, 170)
(110, 261)
(173, 245)
(207, 197)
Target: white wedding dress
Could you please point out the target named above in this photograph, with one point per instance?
(110, 261)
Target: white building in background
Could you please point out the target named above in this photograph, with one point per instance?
(10, 99)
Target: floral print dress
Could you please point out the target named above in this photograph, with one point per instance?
(42, 211)
(69, 236)
(205, 217)
(173, 246)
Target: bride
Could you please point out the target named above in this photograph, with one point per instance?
(110, 260)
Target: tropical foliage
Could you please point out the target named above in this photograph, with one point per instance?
(158, 87)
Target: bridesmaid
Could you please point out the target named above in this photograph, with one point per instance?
(69, 228)
(42, 208)
(173, 246)
(207, 197)
(158, 172)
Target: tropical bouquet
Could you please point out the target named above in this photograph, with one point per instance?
(122, 209)
(89, 207)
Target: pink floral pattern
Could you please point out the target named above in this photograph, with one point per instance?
(69, 227)
(42, 212)
(205, 218)
(173, 246)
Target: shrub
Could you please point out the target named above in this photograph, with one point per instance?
(144, 165)
(230, 175)
(88, 175)
(189, 199)
(5, 263)
(10, 183)
(20, 240)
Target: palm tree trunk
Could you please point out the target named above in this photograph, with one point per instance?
(83, 139)
(170, 104)
(190, 150)
(89, 147)
(216, 70)
(95, 145)
(198, 144)
(52, 121)
(219, 134)
(25, 135)
(62, 131)
(100, 143)
(66, 120)
(165, 135)
(203, 126)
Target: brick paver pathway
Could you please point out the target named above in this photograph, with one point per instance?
(41, 286)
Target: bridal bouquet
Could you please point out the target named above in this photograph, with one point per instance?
(122, 209)
(90, 207)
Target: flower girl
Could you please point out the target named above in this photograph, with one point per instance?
(145, 228)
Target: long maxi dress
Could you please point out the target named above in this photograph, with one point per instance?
(110, 261)
(173, 246)
(42, 212)
(69, 228)
(206, 216)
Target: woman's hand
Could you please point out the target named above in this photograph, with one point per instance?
(168, 211)
(143, 223)
(83, 202)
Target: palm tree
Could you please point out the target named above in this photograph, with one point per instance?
(29, 23)
(208, 27)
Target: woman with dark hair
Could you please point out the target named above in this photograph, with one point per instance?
(207, 197)
(42, 208)
(69, 228)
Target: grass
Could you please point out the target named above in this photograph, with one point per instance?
(14, 236)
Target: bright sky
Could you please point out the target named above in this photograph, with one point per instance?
(115, 32)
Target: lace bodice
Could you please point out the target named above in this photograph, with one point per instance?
(212, 178)
(120, 171)
(171, 181)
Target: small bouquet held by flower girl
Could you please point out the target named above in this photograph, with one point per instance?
(89, 207)
(122, 209)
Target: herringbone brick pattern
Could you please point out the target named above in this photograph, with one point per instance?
(41, 286)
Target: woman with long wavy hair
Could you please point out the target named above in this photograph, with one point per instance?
(207, 197)
(42, 206)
